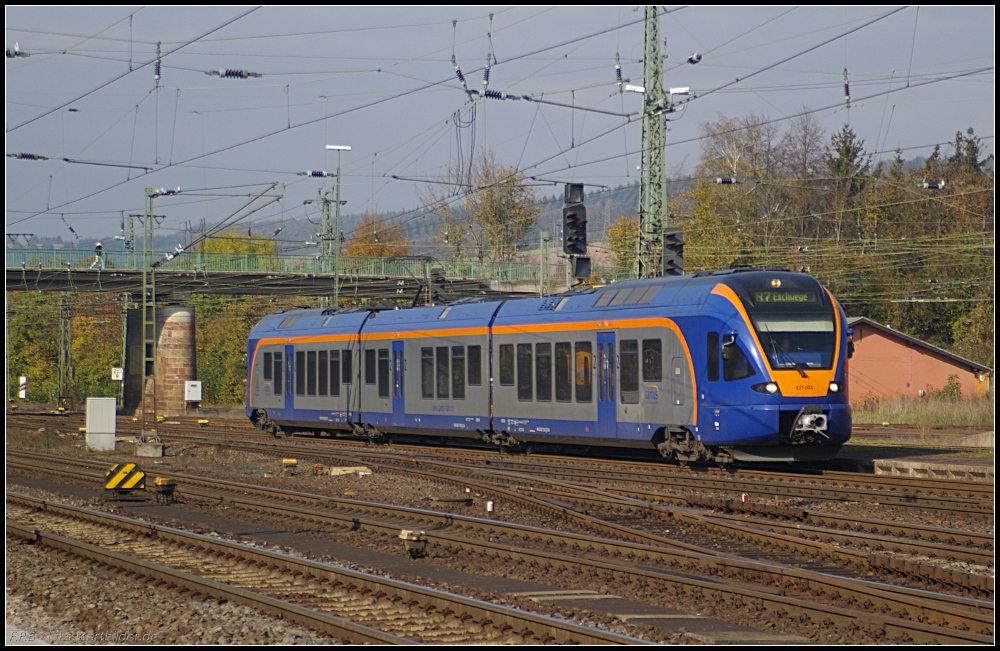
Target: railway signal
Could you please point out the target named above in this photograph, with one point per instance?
(574, 221)
(673, 252)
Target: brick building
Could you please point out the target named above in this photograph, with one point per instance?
(888, 363)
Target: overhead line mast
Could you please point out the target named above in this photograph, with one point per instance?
(653, 189)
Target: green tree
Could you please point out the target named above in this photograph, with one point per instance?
(33, 344)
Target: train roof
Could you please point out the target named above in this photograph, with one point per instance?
(311, 321)
(673, 292)
(439, 317)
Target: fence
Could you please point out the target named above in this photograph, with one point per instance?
(523, 272)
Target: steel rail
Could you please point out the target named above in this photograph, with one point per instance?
(950, 611)
(529, 625)
(322, 622)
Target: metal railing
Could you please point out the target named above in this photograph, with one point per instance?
(515, 272)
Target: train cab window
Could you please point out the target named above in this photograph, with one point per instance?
(524, 388)
(458, 372)
(268, 361)
(735, 365)
(475, 366)
(629, 369)
(348, 366)
(383, 372)
(370, 366)
(442, 373)
(279, 379)
(311, 372)
(334, 372)
(564, 371)
(652, 360)
(543, 372)
(507, 364)
(584, 372)
(427, 373)
(323, 371)
(300, 373)
(713, 357)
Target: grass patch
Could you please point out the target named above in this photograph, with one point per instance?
(929, 411)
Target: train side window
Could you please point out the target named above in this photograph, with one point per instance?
(629, 369)
(383, 372)
(334, 372)
(442, 373)
(348, 367)
(564, 371)
(652, 360)
(268, 361)
(713, 357)
(736, 366)
(370, 366)
(427, 373)
(475, 366)
(458, 372)
(524, 389)
(584, 372)
(507, 364)
(311, 372)
(323, 371)
(300, 373)
(279, 379)
(543, 372)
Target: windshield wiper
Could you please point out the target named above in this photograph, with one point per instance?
(774, 346)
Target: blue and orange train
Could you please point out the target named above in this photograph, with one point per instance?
(748, 365)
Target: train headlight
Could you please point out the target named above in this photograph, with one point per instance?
(835, 387)
(768, 387)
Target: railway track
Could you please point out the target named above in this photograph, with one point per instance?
(349, 605)
(598, 557)
(973, 499)
(620, 514)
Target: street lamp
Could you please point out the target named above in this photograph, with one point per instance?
(335, 245)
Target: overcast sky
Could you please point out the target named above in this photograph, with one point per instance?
(381, 81)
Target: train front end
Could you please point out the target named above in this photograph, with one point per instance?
(783, 352)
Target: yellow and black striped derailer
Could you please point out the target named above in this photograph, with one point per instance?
(124, 478)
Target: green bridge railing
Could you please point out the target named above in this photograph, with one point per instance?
(303, 264)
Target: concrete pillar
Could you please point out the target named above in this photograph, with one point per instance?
(175, 358)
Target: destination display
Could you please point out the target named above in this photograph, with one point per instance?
(784, 296)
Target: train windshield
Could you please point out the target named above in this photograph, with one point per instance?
(796, 340)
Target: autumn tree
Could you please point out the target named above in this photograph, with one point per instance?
(239, 242)
(500, 208)
(732, 224)
(622, 237)
(376, 236)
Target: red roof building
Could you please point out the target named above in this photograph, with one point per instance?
(887, 364)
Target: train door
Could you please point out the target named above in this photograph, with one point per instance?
(289, 375)
(398, 369)
(607, 417)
